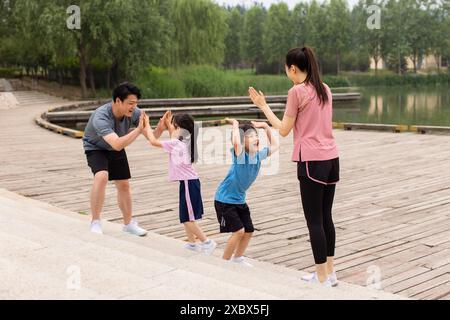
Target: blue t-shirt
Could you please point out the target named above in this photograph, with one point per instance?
(103, 122)
(242, 174)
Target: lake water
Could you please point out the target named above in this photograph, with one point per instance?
(387, 105)
(398, 105)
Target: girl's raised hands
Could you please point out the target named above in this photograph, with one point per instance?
(168, 118)
(231, 121)
(260, 124)
(147, 122)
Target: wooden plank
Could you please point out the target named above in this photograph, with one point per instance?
(388, 212)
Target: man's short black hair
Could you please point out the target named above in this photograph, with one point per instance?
(123, 90)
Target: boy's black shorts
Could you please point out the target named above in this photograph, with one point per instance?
(233, 217)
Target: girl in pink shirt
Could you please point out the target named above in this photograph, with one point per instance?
(309, 112)
(182, 151)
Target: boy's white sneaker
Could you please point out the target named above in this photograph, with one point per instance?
(241, 260)
(134, 229)
(96, 227)
(208, 246)
(332, 276)
(192, 246)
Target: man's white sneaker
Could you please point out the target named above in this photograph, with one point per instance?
(241, 260)
(192, 246)
(96, 227)
(208, 246)
(332, 276)
(133, 228)
(313, 279)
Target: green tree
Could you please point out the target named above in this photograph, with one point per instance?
(369, 42)
(418, 37)
(317, 24)
(278, 35)
(338, 30)
(395, 35)
(299, 24)
(254, 21)
(8, 51)
(233, 40)
(439, 27)
(199, 32)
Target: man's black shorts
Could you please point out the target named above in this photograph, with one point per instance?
(233, 217)
(115, 162)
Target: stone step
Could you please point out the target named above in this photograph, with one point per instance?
(51, 241)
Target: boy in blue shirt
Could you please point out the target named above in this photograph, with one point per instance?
(232, 211)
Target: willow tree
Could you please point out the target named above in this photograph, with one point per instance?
(199, 32)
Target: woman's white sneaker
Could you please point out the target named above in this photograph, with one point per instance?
(134, 229)
(333, 279)
(96, 227)
(313, 279)
(332, 276)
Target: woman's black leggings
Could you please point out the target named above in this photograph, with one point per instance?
(317, 200)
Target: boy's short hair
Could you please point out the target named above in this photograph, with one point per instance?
(244, 128)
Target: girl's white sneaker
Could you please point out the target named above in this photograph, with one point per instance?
(208, 246)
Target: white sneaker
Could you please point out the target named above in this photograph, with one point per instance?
(133, 228)
(332, 276)
(313, 279)
(96, 227)
(241, 260)
(208, 246)
(192, 246)
(333, 279)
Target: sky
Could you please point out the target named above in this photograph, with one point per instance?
(267, 3)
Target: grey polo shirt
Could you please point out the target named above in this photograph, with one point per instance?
(103, 122)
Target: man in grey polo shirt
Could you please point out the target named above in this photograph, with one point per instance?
(105, 138)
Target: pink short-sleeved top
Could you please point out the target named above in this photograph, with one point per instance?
(313, 128)
(180, 166)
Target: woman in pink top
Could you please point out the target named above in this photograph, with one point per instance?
(182, 151)
(309, 112)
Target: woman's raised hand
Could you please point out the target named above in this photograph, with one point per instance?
(257, 97)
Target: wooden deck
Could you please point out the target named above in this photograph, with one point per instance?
(391, 211)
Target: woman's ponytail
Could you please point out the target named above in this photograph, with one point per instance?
(305, 59)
